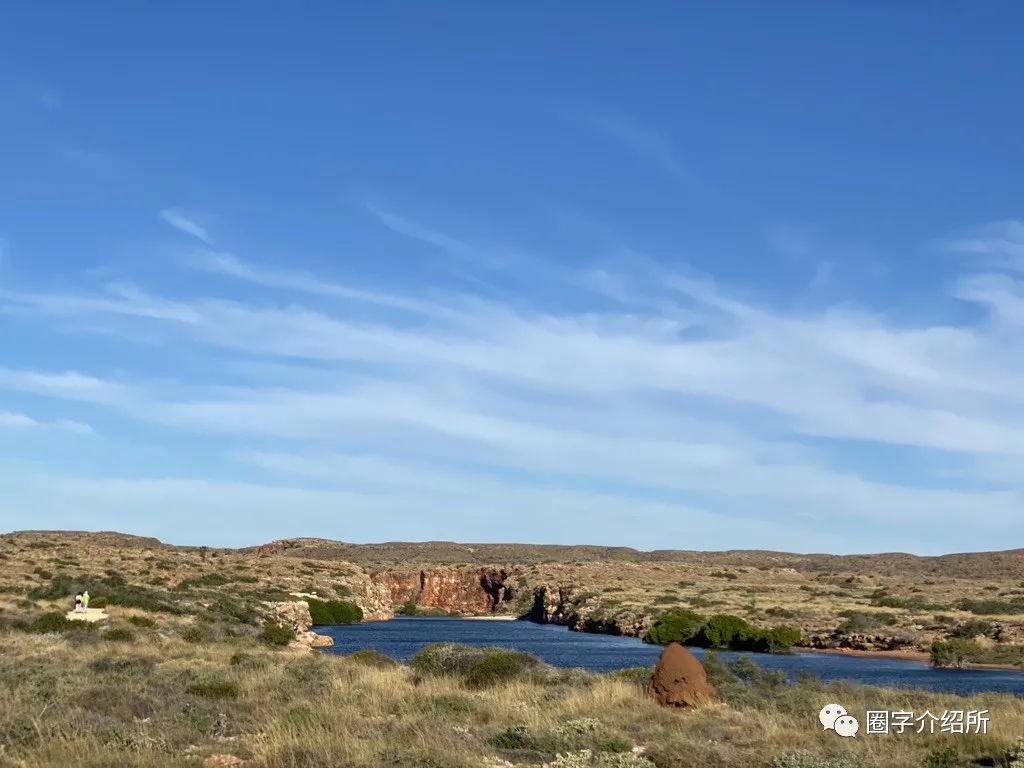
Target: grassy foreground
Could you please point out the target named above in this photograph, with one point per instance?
(138, 693)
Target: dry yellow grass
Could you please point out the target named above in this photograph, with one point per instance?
(77, 699)
(86, 702)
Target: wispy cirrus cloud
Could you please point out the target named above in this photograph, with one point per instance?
(412, 229)
(645, 142)
(11, 420)
(672, 388)
(184, 223)
(608, 397)
(1000, 243)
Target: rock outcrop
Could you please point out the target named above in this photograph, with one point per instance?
(861, 642)
(296, 615)
(459, 590)
(583, 612)
(679, 680)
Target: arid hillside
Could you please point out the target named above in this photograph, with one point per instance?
(890, 602)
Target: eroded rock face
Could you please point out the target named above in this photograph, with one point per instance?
(296, 615)
(679, 680)
(468, 591)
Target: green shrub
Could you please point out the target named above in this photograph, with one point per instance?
(776, 640)
(275, 633)
(679, 626)
(206, 580)
(864, 621)
(732, 632)
(247, 660)
(334, 612)
(450, 704)
(119, 635)
(342, 590)
(985, 607)
(516, 737)
(906, 603)
(98, 602)
(57, 622)
(499, 666)
(969, 629)
(234, 609)
(954, 652)
(944, 757)
(479, 667)
(193, 634)
(125, 665)
(372, 658)
(213, 687)
(724, 631)
(141, 621)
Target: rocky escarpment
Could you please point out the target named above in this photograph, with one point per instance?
(296, 615)
(465, 591)
(581, 612)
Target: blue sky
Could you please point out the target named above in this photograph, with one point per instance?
(714, 276)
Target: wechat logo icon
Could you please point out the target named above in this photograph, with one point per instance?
(834, 717)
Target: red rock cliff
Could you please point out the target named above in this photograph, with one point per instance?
(468, 591)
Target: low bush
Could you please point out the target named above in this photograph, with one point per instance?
(733, 633)
(141, 621)
(193, 634)
(679, 626)
(334, 612)
(125, 665)
(213, 687)
(957, 652)
(119, 635)
(906, 603)
(990, 607)
(970, 629)
(497, 667)
(234, 609)
(864, 621)
(57, 622)
(275, 633)
(479, 667)
(944, 757)
(372, 658)
(206, 580)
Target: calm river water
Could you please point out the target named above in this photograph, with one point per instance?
(401, 637)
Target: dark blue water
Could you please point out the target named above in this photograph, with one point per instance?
(401, 637)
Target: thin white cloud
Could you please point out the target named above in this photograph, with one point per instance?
(646, 143)
(1001, 243)
(180, 221)
(416, 231)
(10, 420)
(680, 388)
(272, 277)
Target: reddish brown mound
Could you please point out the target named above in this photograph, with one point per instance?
(679, 679)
